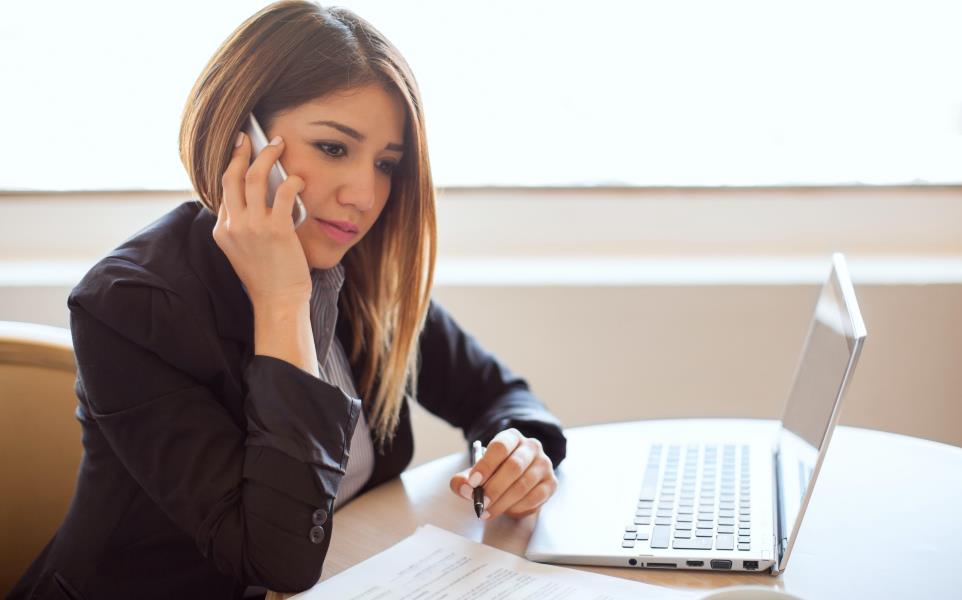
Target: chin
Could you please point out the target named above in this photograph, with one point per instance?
(323, 260)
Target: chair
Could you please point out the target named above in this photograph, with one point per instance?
(40, 446)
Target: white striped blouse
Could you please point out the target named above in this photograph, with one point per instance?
(335, 369)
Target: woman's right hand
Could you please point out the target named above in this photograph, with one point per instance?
(260, 242)
(267, 256)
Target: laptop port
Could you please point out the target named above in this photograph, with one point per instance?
(695, 563)
(750, 565)
(721, 564)
(632, 561)
(662, 565)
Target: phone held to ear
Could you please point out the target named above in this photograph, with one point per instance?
(277, 175)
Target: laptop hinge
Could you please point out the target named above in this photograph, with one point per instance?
(781, 538)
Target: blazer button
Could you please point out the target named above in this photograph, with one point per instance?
(317, 535)
(320, 516)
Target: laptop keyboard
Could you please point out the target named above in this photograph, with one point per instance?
(692, 504)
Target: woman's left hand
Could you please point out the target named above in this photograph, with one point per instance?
(516, 474)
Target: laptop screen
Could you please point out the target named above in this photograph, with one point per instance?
(831, 349)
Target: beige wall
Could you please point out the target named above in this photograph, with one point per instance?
(610, 353)
(716, 333)
(601, 354)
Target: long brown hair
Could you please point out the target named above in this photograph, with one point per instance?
(285, 55)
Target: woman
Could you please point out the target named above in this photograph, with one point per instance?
(239, 379)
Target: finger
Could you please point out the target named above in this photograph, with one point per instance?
(538, 495)
(502, 500)
(510, 470)
(232, 180)
(284, 201)
(459, 484)
(499, 448)
(255, 181)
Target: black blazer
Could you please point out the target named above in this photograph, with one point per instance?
(206, 468)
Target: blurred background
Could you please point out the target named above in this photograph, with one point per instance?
(637, 201)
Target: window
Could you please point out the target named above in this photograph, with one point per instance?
(539, 93)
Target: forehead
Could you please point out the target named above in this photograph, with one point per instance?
(375, 112)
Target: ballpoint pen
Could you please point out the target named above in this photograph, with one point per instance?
(477, 451)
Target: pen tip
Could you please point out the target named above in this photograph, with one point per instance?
(478, 507)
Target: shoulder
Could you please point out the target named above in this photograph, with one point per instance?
(146, 283)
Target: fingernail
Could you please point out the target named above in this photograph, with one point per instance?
(485, 516)
(475, 479)
(276, 141)
(240, 140)
(466, 491)
(487, 501)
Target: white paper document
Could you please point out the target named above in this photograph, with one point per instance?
(435, 564)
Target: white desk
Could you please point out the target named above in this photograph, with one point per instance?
(885, 520)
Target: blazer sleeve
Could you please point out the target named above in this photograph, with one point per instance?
(469, 388)
(258, 502)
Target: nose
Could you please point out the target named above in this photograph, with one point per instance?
(358, 189)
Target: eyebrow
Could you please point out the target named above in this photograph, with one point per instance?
(354, 133)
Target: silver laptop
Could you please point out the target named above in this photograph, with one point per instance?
(710, 499)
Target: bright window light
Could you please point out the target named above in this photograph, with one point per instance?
(528, 93)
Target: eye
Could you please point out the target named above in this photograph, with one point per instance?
(333, 150)
(388, 166)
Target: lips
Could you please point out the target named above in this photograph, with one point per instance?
(342, 225)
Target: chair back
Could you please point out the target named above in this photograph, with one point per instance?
(40, 447)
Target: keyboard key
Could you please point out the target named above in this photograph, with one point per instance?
(692, 544)
(659, 537)
(685, 510)
(705, 524)
(664, 512)
(726, 529)
(643, 512)
(744, 546)
(627, 544)
(650, 484)
(630, 528)
(663, 521)
(630, 535)
(682, 533)
(642, 521)
(726, 513)
(744, 539)
(725, 541)
(726, 521)
(682, 525)
(704, 532)
(682, 518)
(642, 535)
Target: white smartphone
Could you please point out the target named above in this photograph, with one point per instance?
(277, 175)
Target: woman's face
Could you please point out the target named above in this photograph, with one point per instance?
(344, 146)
